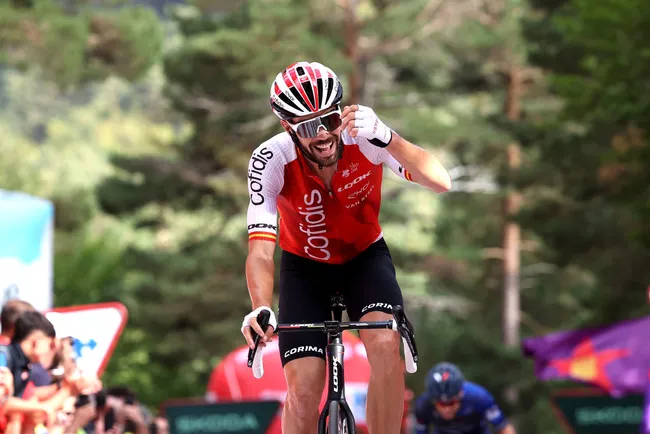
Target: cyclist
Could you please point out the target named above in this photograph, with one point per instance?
(323, 176)
(452, 405)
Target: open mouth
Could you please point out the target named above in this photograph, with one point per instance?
(325, 150)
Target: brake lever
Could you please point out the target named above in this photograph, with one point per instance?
(406, 330)
(414, 350)
(263, 320)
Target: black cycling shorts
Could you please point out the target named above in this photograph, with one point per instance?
(367, 284)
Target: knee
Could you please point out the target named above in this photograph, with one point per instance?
(382, 347)
(304, 392)
(304, 398)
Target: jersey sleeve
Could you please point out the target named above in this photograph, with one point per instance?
(379, 155)
(422, 413)
(265, 181)
(492, 413)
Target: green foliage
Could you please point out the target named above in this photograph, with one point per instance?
(74, 48)
(591, 213)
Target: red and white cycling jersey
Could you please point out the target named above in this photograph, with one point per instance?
(316, 223)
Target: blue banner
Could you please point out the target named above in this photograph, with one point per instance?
(26, 249)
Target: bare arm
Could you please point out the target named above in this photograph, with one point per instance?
(82, 416)
(56, 401)
(133, 413)
(265, 182)
(19, 405)
(425, 169)
(42, 393)
(16, 405)
(260, 270)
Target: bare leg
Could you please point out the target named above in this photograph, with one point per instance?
(306, 381)
(385, 402)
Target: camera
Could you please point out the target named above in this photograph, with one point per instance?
(98, 400)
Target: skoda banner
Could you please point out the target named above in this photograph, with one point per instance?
(248, 417)
(589, 411)
(26, 228)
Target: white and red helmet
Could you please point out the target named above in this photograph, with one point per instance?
(304, 88)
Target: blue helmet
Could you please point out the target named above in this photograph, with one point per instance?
(444, 381)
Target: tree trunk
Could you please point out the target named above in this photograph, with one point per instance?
(512, 232)
(352, 50)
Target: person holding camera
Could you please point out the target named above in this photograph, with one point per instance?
(33, 341)
(114, 410)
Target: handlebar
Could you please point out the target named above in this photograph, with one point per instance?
(399, 324)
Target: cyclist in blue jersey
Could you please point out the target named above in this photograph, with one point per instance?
(452, 405)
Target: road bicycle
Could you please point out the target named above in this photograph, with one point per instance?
(336, 416)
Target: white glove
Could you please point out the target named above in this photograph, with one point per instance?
(363, 122)
(247, 319)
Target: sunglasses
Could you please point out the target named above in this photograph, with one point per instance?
(310, 128)
(449, 403)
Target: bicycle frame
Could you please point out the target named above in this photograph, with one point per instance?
(335, 353)
(336, 383)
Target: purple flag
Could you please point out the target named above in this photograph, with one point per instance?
(615, 358)
(646, 412)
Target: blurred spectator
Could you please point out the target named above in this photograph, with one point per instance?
(11, 311)
(128, 414)
(64, 363)
(159, 426)
(8, 317)
(32, 341)
(6, 385)
(43, 383)
(63, 370)
(114, 410)
(64, 417)
(32, 338)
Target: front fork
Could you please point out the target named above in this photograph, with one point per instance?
(336, 385)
